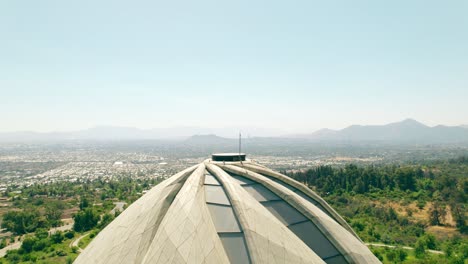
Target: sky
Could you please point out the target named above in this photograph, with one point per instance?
(291, 65)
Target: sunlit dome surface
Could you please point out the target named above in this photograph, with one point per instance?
(228, 212)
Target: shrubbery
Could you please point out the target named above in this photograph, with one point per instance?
(85, 220)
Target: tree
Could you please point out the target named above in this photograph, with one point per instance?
(437, 214)
(429, 241)
(70, 234)
(53, 212)
(28, 243)
(2, 244)
(22, 222)
(460, 218)
(57, 237)
(391, 255)
(106, 219)
(392, 215)
(42, 233)
(85, 220)
(405, 179)
(41, 244)
(419, 249)
(84, 203)
(401, 254)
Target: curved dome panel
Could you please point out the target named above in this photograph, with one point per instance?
(228, 212)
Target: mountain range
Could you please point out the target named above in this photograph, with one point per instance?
(129, 133)
(408, 130)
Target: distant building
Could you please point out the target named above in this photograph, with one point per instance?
(225, 211)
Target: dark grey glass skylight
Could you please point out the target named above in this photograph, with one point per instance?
(313, 237)
(284, 212)
(300, 193)
(215, 194)
(225, 221)
(235, 242)
(211, 180)
(261, 193)
(243, 180)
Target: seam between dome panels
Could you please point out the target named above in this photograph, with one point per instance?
(211, 167)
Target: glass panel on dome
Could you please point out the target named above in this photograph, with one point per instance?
(243, 180)
(261, 193)
(211, 180)
(313, 237)
(215, 194)
(284, 212)
(336, 260)
(300, 193)
(312, 201)
(224, 219)
(283, 184)
(236, 248)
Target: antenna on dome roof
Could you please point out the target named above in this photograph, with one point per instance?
(230, 157)
(240, 142)
(240, 146)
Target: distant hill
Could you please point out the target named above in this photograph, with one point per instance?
(132, 133)
(208, 139)
(96, 133)
(408, 130)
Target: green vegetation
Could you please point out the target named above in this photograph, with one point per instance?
(29, 219)
(85, 220)
(22, 222)
(36, 209)
(43, 248)
(42, 205)
(420, 206)
(416, 207)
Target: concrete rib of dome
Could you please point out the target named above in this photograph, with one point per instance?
(326, 225)
(268, 240)
(173, 224)
(265, 171)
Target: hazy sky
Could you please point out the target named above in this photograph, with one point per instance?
(302, 65)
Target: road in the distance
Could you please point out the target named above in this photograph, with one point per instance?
(403, 247)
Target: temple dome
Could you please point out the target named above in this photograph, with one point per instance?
(228, 212)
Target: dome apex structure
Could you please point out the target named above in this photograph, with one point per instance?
(228, 212)
(228, 157)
